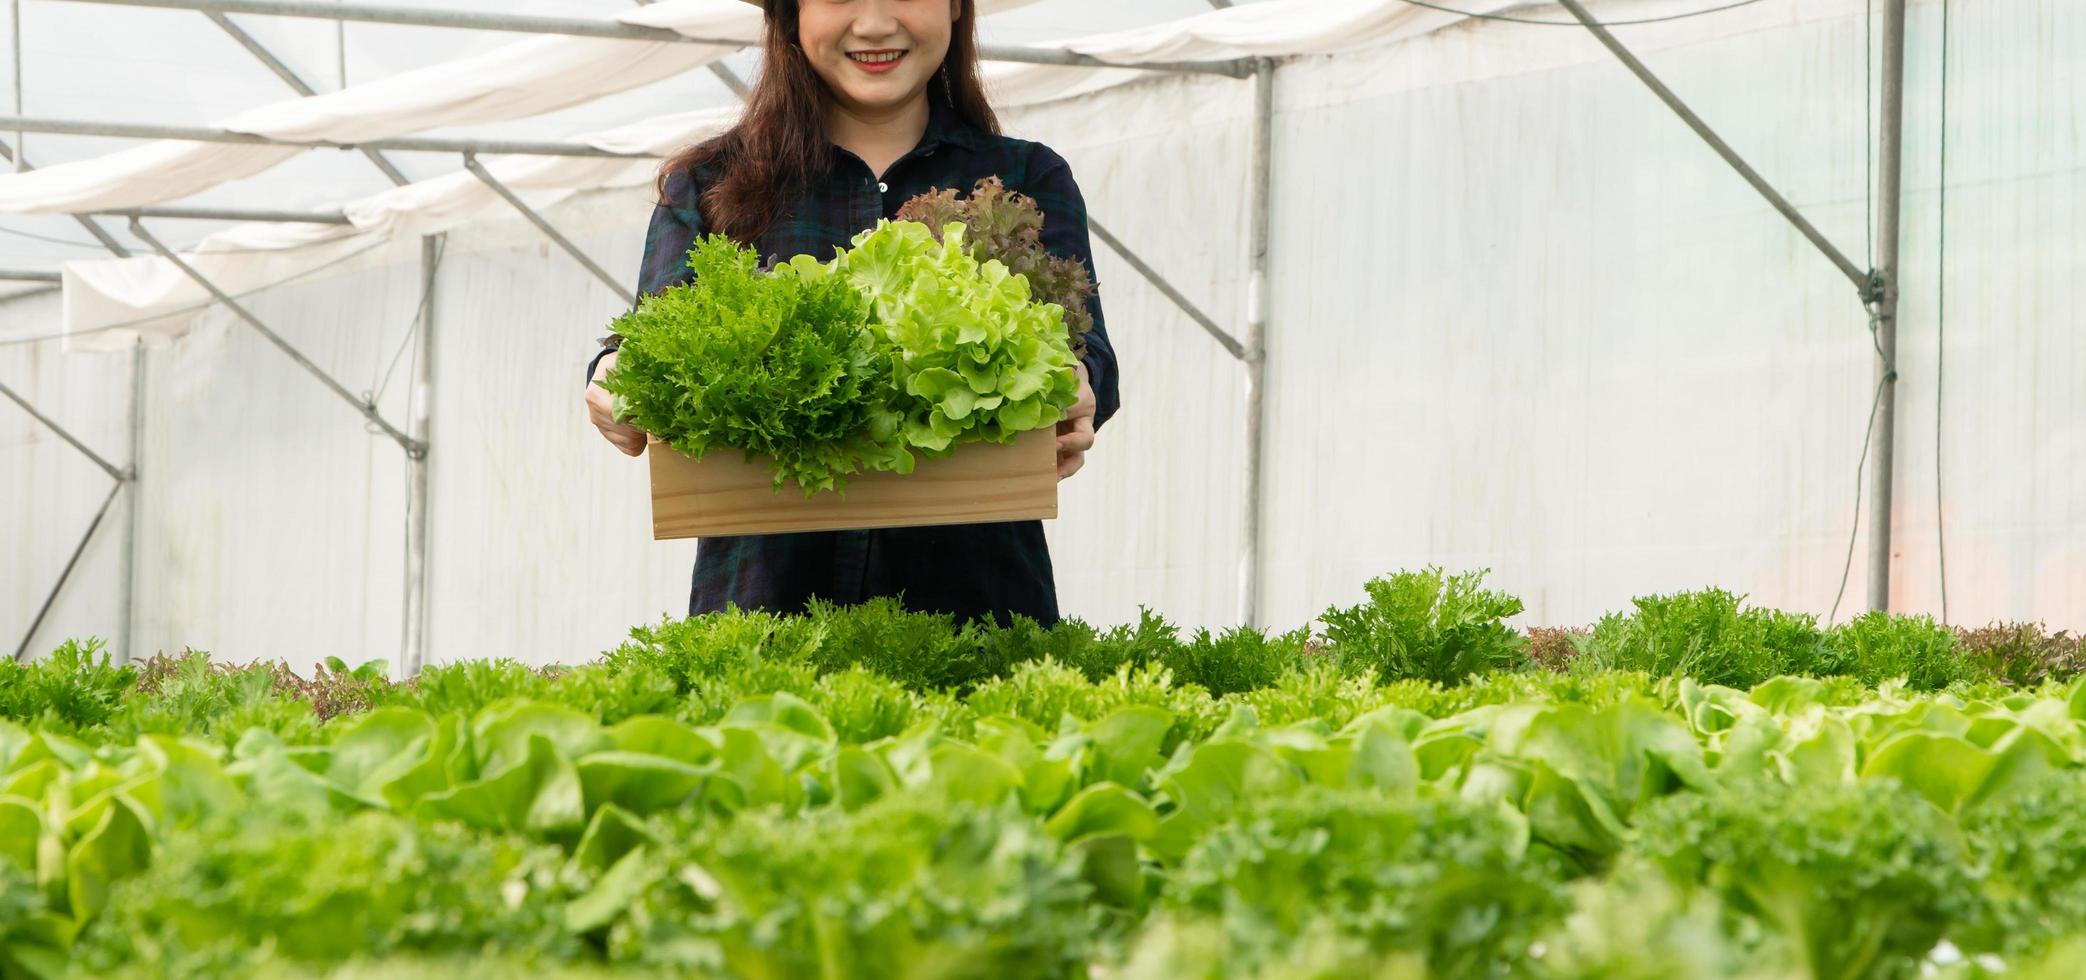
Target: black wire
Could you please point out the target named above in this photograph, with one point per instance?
(1735, 4)
(1941, 319)
(1854, 531)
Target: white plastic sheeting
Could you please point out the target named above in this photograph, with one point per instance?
(111, 302)
(1521, 318)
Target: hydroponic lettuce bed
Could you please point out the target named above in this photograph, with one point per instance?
(1692, 789)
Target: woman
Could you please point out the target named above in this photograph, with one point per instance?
(861, 105)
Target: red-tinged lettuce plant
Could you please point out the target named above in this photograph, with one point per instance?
(1004, 225)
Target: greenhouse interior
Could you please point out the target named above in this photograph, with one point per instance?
(1599, 490)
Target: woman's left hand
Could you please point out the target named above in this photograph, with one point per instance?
(1075, 435)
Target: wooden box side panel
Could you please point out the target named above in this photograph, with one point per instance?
(724, 495)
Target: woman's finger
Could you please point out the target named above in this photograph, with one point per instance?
(1069, 463)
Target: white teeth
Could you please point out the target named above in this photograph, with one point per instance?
(877, 58)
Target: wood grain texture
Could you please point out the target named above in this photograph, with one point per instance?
(723, 494)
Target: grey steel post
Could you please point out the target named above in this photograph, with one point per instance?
(368, 410)
(1223, 337)
(1260, 200)
(1862, 280)
(127, 622)
(1884, 305)
(478, 170)
(413, 651)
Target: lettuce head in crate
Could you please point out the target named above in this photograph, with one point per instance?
(902, 344)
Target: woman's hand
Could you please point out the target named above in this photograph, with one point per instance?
(629, 438)
(1075, 435)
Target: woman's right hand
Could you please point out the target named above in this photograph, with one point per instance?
(601, 411)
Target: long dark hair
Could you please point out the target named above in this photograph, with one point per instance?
(779, 145)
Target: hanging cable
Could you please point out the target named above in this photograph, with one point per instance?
(427, 289)
(1853, 532)
(1510, 19)
(1941, 320)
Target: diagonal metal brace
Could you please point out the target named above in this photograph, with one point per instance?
(478, 170)
(51, 599)
(413, 447)
(119, 475)
(1868, 284)
(296, 83)
(1222, 336)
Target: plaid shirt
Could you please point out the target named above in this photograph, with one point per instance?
(970, 570)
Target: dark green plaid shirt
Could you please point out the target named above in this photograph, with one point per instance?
(969, 570)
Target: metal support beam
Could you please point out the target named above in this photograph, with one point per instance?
(577, 27)
(1862, 280)
(51, 599)
(111, 469)
(413, 649)
(1260, 200)
(731, 80)
(93, 227)
(30, 275)
(129, 585)
(230, 214)
(416, 144)
(1884, 306)
(478, 170)
(369, 411)
(1230, 343)
(295, 82)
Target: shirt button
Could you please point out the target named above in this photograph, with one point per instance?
(880, 185)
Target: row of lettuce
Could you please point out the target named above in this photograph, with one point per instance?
(866, 792)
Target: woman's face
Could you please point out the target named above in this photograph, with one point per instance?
(876, 55)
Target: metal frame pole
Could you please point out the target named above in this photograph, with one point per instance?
(368, 410)
(485, 176)
(1223, 337)
(413, 649)
(270, 215)
(1863, 281)
(296, 83)
(129, 584)
(411, 144)
(107, 467)
(51, 598)
(1260, 197)
(1884, 305)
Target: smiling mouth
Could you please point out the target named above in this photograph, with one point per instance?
(875, 57)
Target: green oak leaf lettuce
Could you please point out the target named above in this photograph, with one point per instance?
(778, 364)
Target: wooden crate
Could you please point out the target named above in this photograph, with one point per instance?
(723, 494)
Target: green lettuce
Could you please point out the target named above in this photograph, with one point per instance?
(973, 356)
(776, 364)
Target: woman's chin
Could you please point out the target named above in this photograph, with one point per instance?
(879, 95)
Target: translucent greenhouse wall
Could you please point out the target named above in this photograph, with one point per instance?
(1521, 319)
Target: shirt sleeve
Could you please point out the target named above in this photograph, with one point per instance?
(676, 224)
(1065, 234)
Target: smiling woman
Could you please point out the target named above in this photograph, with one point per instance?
(860, 106)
